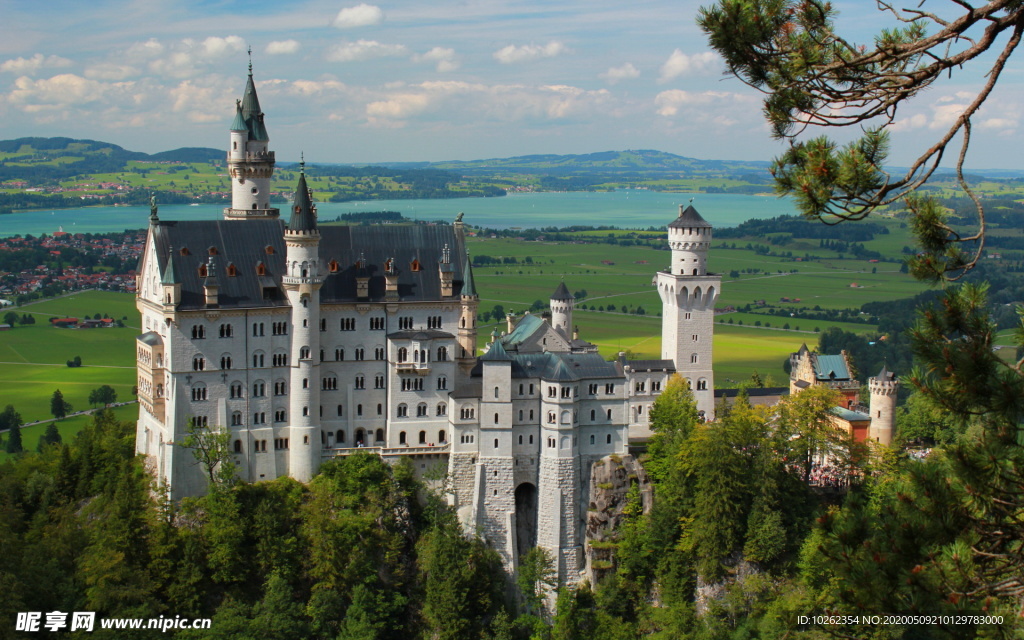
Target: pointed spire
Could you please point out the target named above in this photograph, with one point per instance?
(238, 124)
(303, 212)
(250, 102)
(170, 274)
(562, 293)
(468, 286)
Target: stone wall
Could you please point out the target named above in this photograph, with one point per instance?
(610, 482)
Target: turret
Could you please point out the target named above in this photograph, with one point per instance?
(211, 286)
(390, 279)
(446, 272)
(883, 388)
(250, 162)
(467, 318)
(689, 237)
(562, 303)
(171, 283)
(302, 281)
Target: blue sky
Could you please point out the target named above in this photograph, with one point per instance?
(411, 81)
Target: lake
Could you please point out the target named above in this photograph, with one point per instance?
(625, 208)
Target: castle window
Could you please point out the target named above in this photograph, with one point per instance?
(693, 358)
(360, 353)
(593, 416)
(198, 392)
(442, 383)
(608, 439)
(421, 410)
(184, 251)
(225, 362)
(495, 392)
(442, 354)
(341, 411)
(378, 382)
(403, 354)
(520, 420)
(380, 435)
(442, 409)
(378, 353)
(198, 332)
(226, 331)
(202, 271)
(380, 409)
(258, 389)
(341, 436)
(415, 265)
(238, 443)
(702, 384)
(305, 383)
(376, 324)
(279, 415)
(333, 266)
(495, 418)
(531, 415)
(329, 383)
(232, 270)
(261, 269)
(423, 437)
(495, 473)
(441, 436)
(609, 414)
(269, 249)
(304, 353)
(359, 410)
(236, 390)
(212, 251)
(339, 354)
(401, 437)
(198, 363)
(305, 411)
(403, 410)
(591, 438)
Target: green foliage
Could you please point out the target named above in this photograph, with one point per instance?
(536, 576)
(58, 406)
(103, 395)
(211, 448)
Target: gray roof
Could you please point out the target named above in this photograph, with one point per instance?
(303, 213)
(688, 219)
(245, 243)
(419, 334)
(152, 338)
(496, 353)
(468, 390)
(651, 365)
(885, 375)
(561, 367)
(849, 415)
(170, 276)
(468, 287)
(562, 293)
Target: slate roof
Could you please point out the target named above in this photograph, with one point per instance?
(885, 375)
(245, 243)
(496, 353)
(689, 219)
(562, 293)
(303, 214)
(468, 286)
(468, 390)
(831, 368)
(170, 275)
(419, 334)
(651, 365)
(561, 367)
(152, 338)
(755, 392)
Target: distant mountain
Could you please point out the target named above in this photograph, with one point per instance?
(61, 158)
(630, 163)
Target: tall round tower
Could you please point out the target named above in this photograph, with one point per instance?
(562, 304)
(883, 388)
(688, 294)
(302, 281)
(250, 161)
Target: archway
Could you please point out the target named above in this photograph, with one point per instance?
(360, 437)
(526, 518)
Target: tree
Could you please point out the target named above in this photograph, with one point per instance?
(536, 577)
(105, 395)
(212, 450)
(50, 437)
(813, 77)
(11, 420)
(11, 318)
(58, 406)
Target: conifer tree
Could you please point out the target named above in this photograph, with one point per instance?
(58, 406)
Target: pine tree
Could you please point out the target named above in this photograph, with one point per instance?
(58, 406)
(14, 440)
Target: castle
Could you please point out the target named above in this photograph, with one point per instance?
(307, 342)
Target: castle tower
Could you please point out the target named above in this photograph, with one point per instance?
(302, 281)
(469, 301)
(562, 303)
(250, 162)
(688, 294)
(883, 388)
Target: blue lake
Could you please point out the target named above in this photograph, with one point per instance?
(632, 209)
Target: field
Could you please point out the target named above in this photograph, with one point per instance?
(68, 428)
(33, 357)
(617, 280)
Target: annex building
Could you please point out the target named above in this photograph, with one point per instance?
(307, 342)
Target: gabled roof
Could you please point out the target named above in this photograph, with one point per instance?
(303, 214)
(562, 293)
(831, 368)
(688, 219)
(496, 353)
(525, 328)
(849, 415)
(151, 338)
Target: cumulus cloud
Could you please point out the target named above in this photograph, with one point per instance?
(622, 72)
(62, 92)
(279, 47)
(680, 64)
(670, 103)
(999, 123)
(186, 58)
(915, 121)
(28, 66)
(363, 50)
(110, 71)
(443, 58)
(315, 88)
(148, 49)
(527, 52)
(361, 15)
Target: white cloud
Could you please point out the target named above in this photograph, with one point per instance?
(443, 57)
(524, 53)
(148, 49)
(315, 88)
(361, 15)
(187, 57)
(201, 103)
(999, 123)
(622, 72)
(278, 47)
(28, 66)
(110, 71)
(679, 64)
(670, 103)
(363, 50)
(214, 47)
(915, 121)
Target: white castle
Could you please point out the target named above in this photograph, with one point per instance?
(307, 343)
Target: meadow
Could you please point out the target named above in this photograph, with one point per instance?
(68, 428)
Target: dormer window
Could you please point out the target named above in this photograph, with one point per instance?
(202, 271)
(232, 271)
(333, 266)
(261, 269)
(212, 251)
(184, 251)
(270, 250)
(415, 266)
(298, 209)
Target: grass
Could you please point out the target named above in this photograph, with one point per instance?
(68, 428)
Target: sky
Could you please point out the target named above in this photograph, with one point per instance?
(353, 82)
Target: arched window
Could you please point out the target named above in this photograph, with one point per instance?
(403, 410)
(238, 446)
(380, 435)
(403, 354)
(423, 437)
(401, 437)
(441, 436)
(442, 409)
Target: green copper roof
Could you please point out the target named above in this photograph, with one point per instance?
(496, 353)
(238, 124)
(259, 131)
(303, 216)
(250, 103)
(468, 287)
(831, 368)
(170, 275)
